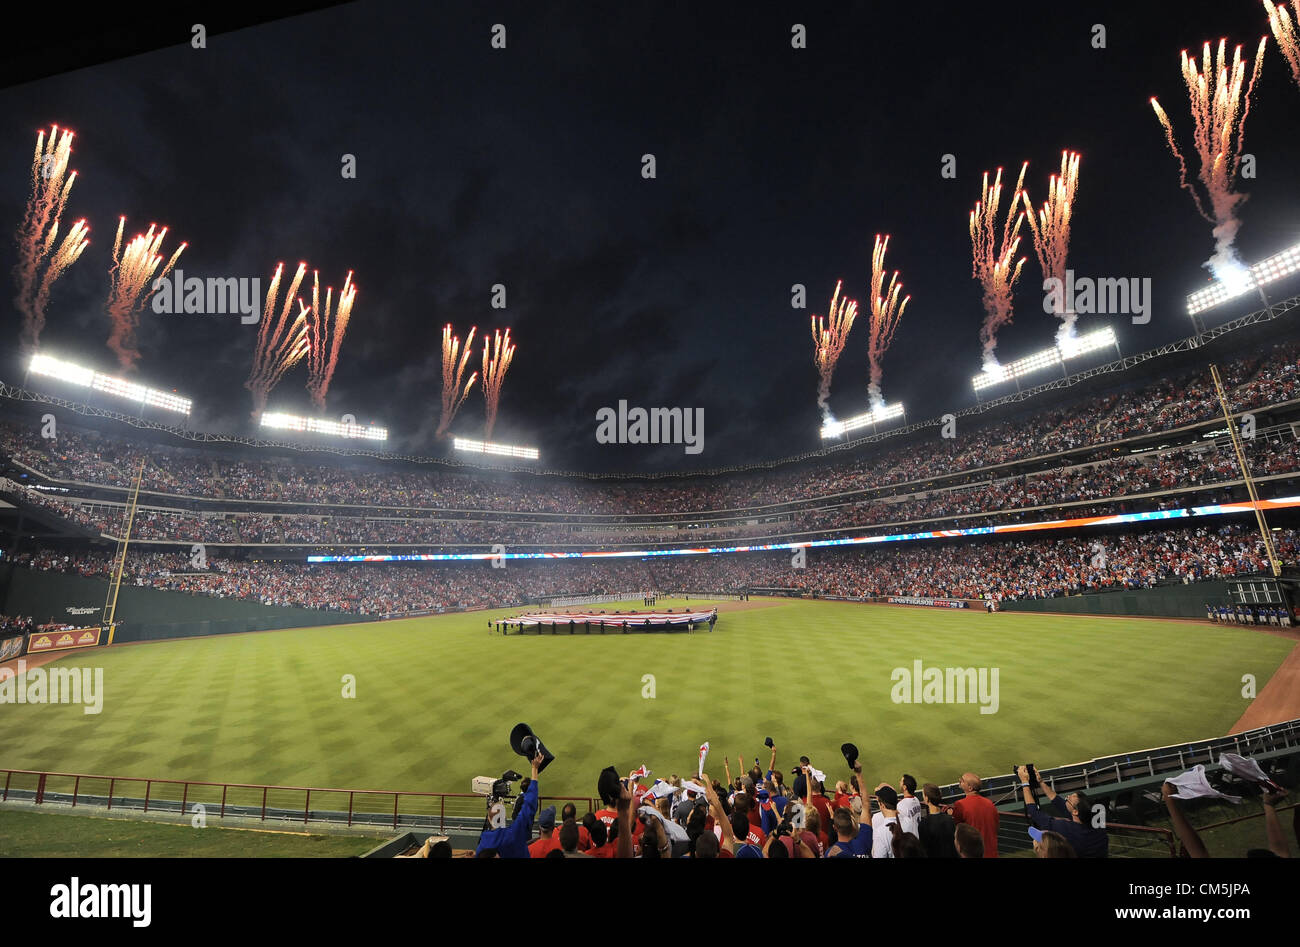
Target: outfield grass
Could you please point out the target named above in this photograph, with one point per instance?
(436, 698)
(56, 835)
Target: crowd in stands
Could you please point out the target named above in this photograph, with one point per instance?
(1253, 381)
(1010, 499)
(1003, 570)
(11, 625)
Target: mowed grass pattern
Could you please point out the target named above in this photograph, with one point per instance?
(436, 698)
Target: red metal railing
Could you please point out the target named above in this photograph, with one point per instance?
(255, 800)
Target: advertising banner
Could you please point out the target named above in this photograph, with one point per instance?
(63, 640)
(931, 602)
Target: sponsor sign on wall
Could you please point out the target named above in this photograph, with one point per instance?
(63, 640)
(932, 602)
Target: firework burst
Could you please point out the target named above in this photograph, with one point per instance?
(40, 262)
(1284, 31)
(281, 342)
(829, 337)
(130, 284)
(452, 373)
(992, 255)
(1051, 230)
(495, 367)
(886, 313)
(1220, 101)
(326, 327)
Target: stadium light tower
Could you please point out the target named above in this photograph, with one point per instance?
(289, 422)
(117, 387)
(1278, 266)
(494, 450)
(1055, 357)
(877, 415)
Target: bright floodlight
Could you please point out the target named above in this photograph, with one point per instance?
(1048, 358)
(288, 422)
(118, 387)
(1088, 342)
(877, 415)
(1220, 291)
(498, 450)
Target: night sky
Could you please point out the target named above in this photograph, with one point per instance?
(522, 166)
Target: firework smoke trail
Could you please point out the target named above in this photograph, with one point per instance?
(1284, 31)
(886, 313)
(494, 373)
(325, 330)
(281, 344)
(130, 284)
(1051, 230)
(991, 258)
(51, 185)
(452, 373)
(829, 336)
(1219, 110)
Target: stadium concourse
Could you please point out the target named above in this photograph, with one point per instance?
(1147, 450)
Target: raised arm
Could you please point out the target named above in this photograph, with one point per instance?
(624, 820)
(1037, 817)
(1273, 826)
(719, 817)
(1182, 828)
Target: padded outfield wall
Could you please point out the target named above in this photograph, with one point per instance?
(1166, 601)
(149, 614)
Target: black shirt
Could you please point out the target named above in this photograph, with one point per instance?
(937, 831)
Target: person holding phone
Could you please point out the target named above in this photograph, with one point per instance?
(1071, 817)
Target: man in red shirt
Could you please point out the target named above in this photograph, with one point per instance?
(570, 813)
(547, 843)
(603, 844)
(607, 815)
(978, 812)
(745, 832)
(817, 799)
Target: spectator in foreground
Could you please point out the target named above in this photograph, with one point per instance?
(909, 807)
(851, 841)
(881, 837)
(511, 841)
(968, 841)
(548, 843)
(435, 846)
(936, 827)
(1194, 847)
(1072, 819)
(904, 844)
(569, 840)
(1277, 843)
(1052, 845)
(974, 810)
(570, 814)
